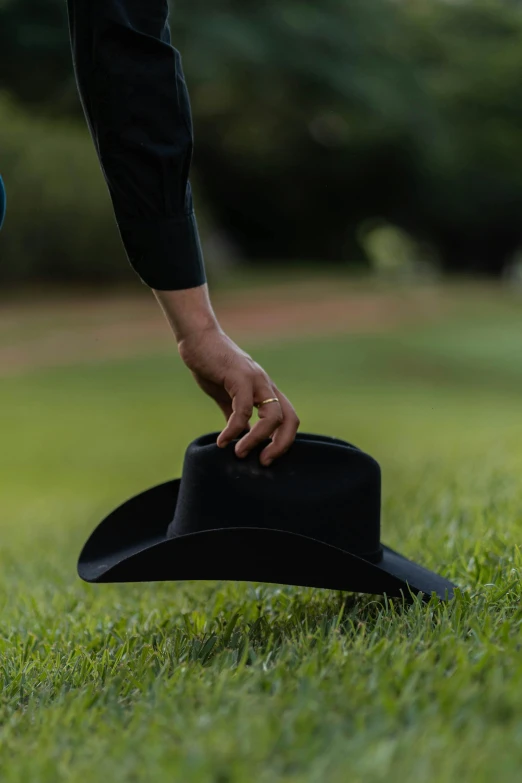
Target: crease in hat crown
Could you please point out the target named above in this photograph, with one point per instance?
(323, 487)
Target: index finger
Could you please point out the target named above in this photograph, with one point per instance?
(242, 406)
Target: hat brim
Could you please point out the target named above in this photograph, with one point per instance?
(131, 545)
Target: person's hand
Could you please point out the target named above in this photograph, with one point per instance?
(235, 381)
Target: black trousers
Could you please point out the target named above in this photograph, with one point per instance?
(136, 103)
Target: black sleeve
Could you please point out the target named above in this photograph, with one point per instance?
(136, 103)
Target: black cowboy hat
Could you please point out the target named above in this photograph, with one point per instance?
(312, 518)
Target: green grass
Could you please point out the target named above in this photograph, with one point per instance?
(206, 682)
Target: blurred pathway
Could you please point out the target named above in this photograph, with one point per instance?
(68, 330)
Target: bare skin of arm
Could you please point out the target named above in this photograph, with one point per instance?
(228, 375)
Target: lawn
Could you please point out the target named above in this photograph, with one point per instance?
(204, 682)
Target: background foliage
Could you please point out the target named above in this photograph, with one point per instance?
(311, 122)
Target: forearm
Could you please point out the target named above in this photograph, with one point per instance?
(136, 103)
(188, 311)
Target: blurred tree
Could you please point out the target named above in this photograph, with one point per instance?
(35, 59)
(307, 121)
(468, 199)
(311, 118)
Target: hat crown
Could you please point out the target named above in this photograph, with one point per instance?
(322, 487)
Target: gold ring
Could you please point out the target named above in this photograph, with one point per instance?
(271, 399)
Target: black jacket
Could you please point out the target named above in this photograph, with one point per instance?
(133, 92)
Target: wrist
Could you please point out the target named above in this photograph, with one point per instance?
(194, 327)
(188, 311)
